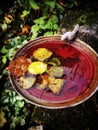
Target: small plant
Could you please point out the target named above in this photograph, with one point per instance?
(44, 26)
(14, 108)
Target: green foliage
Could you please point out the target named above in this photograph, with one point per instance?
(4, 27)
(15, 107)
(9, 49)
(50, 3)
(44, 26)
(24, 14)
(34, 4)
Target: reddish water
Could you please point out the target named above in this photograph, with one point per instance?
(77, 66)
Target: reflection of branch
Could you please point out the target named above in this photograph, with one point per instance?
(45, 89)
(73, 72)
(70, 62)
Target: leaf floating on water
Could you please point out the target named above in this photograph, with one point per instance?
(54, 61)
(42, 54)
(56, 85)
(27, 82)
(19, 66)
(55, 71)
(37, 67)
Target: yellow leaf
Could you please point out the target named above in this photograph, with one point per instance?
(37, 67)
(8, 19)
(2, 118)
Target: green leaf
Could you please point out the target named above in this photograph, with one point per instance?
(12, 125)
(20, 104)
(53, 19)
(4, 27)
(24, 14)
(49, 33)
(50, 3)
(34, 36)
(55, 26)
(35, 28)
(4, 50)
(22, 122)
(19, 97)
(40, 20)
(4, 59)
(33, 4)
